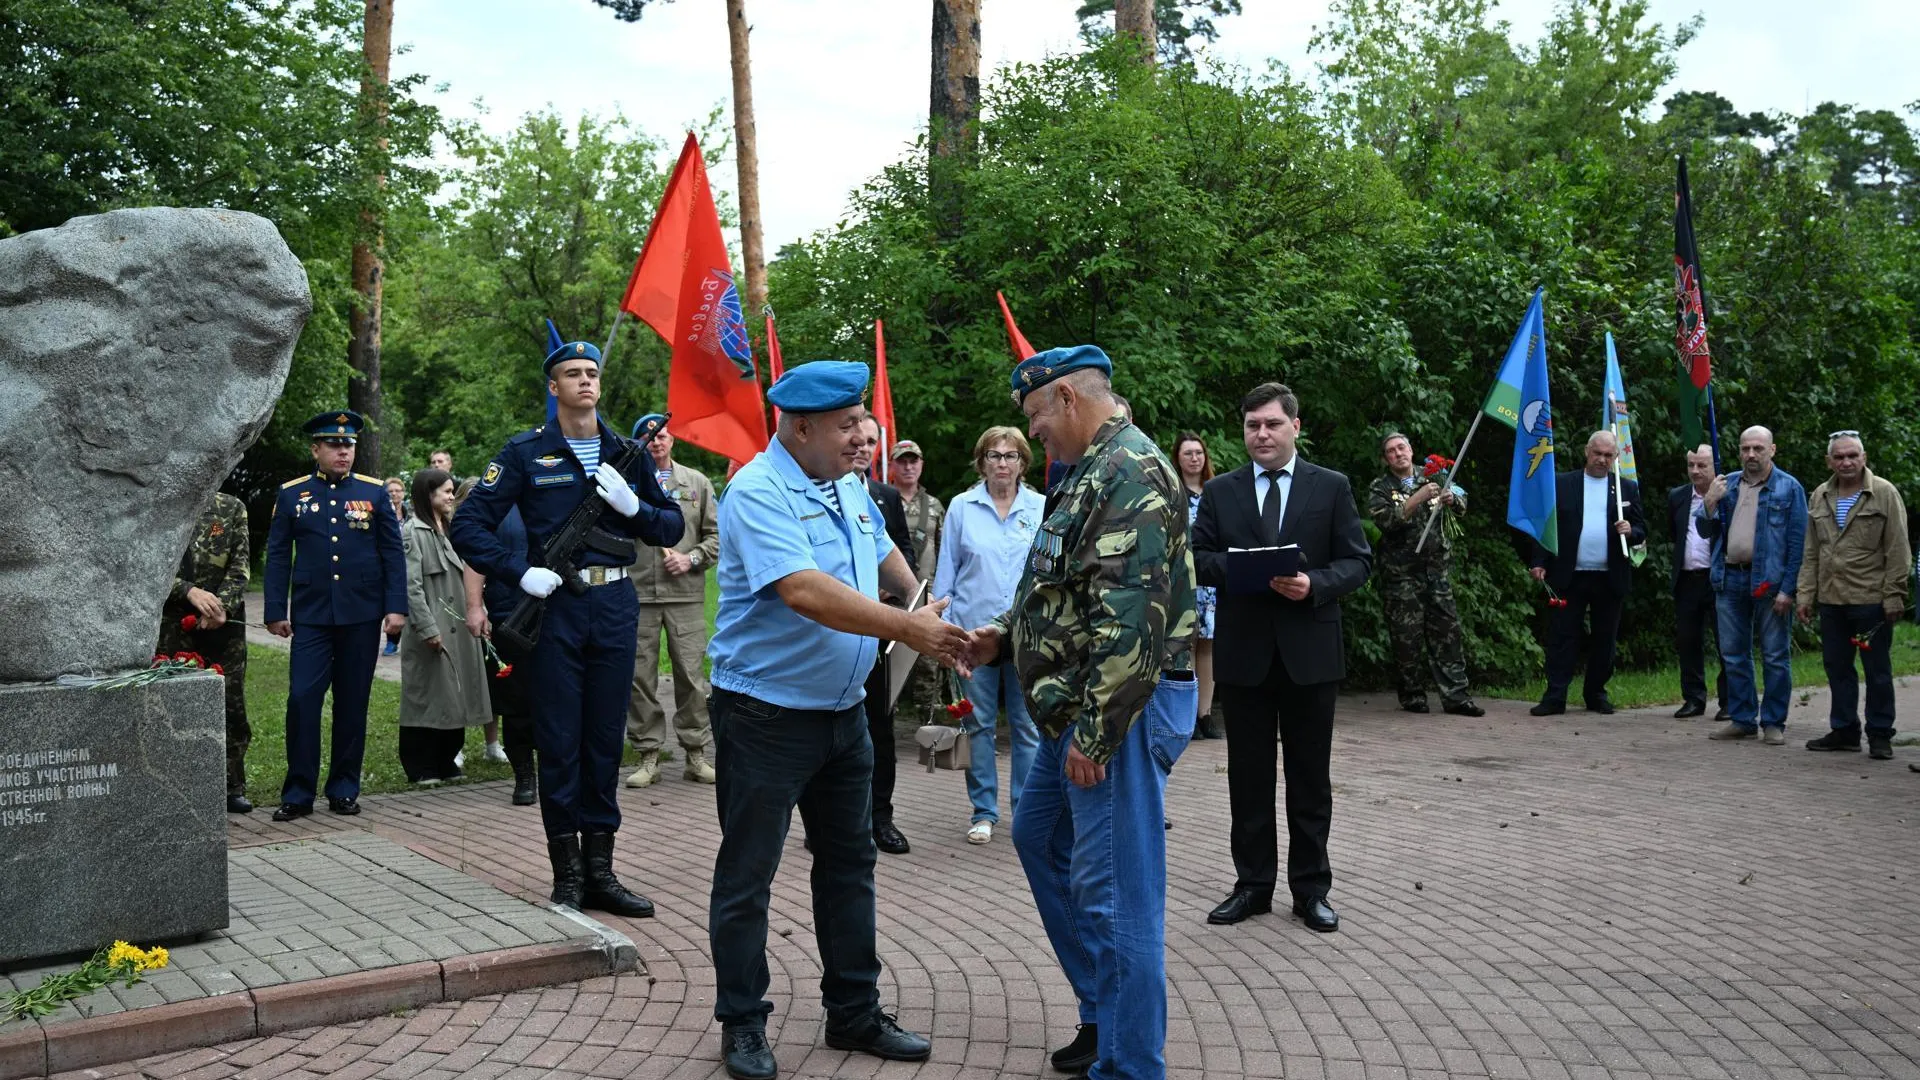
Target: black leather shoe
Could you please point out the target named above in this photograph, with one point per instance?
(1690, 710)
(1077, 1056)
(569, 879)
(1464, 708)
(882, 1036)
(289, 811)
(748, 1055)
(1317, 915)
(1549, 708)
(1880, 747)
(1600, 705)
(1836, 740)
(238, 804)
(1239, 905)
(343, 807)
(603, 891)
(888, 839)
(1414, 706)
(1721, 716)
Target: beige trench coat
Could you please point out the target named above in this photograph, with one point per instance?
(446, 688)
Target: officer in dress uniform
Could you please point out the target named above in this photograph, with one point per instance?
(582, 668)
(336, 542)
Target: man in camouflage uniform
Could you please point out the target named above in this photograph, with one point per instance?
(211, 589)
(1415, 588)
(926, 517)
(1101, 632)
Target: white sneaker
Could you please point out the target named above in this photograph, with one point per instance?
(459, 759)
(647, 773)
(980, 833)
(496, 753)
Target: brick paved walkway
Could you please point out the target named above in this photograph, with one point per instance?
(1577, 897)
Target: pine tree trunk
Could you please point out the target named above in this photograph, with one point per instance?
(752, 248)
(1136, 17)
(369, 273)
(954, 105)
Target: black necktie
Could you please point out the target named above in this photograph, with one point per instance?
(1270, 510)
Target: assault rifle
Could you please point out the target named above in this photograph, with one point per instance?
(581, 532)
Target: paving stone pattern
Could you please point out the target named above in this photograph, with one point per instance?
(1577, 897)
(330, 905)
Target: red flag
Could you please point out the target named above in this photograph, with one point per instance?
(774, 366)
(682, 286)
(1015, 340)
(882, 402)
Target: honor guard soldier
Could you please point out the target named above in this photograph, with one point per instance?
(336, 542)
(582, 664)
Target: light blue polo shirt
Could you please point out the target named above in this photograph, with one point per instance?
(774, 522)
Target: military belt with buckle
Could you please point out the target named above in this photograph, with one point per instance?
(602, 575)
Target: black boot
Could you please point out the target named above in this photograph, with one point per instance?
(525, 790)
(568, 877)
(604, 891)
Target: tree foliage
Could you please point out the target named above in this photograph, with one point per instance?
(1177, 23)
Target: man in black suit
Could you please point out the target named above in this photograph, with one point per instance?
(893, 512)
(1693, 604)
(1591, 572)
(1278, 654)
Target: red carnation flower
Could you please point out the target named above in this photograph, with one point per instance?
(505, 670)
(1760, 590)
(218, 670)
(190, 622)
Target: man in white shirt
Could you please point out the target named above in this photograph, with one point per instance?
(1693, 603)
(1591, 573)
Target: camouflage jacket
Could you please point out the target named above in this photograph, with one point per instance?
(216, 560)
(925, 519)
(1399, 534)
(1105, 603)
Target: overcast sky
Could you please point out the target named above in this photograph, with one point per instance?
(840, 86)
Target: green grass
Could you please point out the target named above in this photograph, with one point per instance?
(1661, 686)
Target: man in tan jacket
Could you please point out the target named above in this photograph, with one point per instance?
(671, 585)
(1854, 572)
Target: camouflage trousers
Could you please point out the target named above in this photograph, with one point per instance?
(227, 647)
(1425, 628)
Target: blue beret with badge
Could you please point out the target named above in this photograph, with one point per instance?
(820, 386)
(343, 426)
(573, 350)
(1040, 369)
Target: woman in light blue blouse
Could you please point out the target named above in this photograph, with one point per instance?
(1196, 468)
(989, 528)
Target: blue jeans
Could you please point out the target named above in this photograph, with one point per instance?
(1108, 926)
(769, 760)
(983, 783)
(1743, 619)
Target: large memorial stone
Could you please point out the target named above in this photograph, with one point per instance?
(141, 352)
(112, 815)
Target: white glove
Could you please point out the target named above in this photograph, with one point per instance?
(614, 489)
(539, 581)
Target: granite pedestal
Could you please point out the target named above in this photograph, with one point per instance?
(112, 815)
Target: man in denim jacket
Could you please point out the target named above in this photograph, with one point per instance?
(1758, 530)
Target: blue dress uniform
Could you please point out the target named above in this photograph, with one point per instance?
(582, 666)
(337, 543)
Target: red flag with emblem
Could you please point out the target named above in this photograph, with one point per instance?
(683, 287)
(1015, 339)
(882, 403)
(774, 366)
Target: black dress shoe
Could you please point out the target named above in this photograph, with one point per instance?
(343, 807)
(1414, 706)
(603, 891)
(1464, 708)
(1721, 715)
(1239, 905)
(238, 804)
(1837, 740)
(888, 839)
(882, 1036)
(1549, 708)
(748, 1055)
(1880, 747)
(1317, 915)
(1690, 710)
(289, 811)
(1601, 706)
(1077, 1056)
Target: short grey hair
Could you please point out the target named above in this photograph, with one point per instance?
(1842, 436)
(1603, 433)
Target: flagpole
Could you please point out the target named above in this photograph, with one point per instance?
(1713, 427)
(1455, 471)
(1619, 507)
(615, 332)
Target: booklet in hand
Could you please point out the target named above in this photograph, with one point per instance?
(1250, 570)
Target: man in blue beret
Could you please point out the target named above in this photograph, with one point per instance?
(582, 667)
(1101, 633)
(803, 557)
(335, 545)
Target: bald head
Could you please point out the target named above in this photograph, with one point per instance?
(1756, 453)
(1601, 450)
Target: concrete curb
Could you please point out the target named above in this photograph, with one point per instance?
(39, 1049)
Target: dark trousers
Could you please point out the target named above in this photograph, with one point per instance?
(1694, 612)
(340, 657)
(1839, 625)
(1588, 594)
(582, 672)
(1295, 722)
(880, 733)
(769, 760)
(428, 753)
(508, 700)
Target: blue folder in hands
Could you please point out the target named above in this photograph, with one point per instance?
(1251, 570)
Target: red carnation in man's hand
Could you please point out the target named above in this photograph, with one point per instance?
(190, 622)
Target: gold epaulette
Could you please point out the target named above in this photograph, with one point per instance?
(370, 479)
(296, 480)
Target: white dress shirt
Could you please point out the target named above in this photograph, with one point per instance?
(1263, 487)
